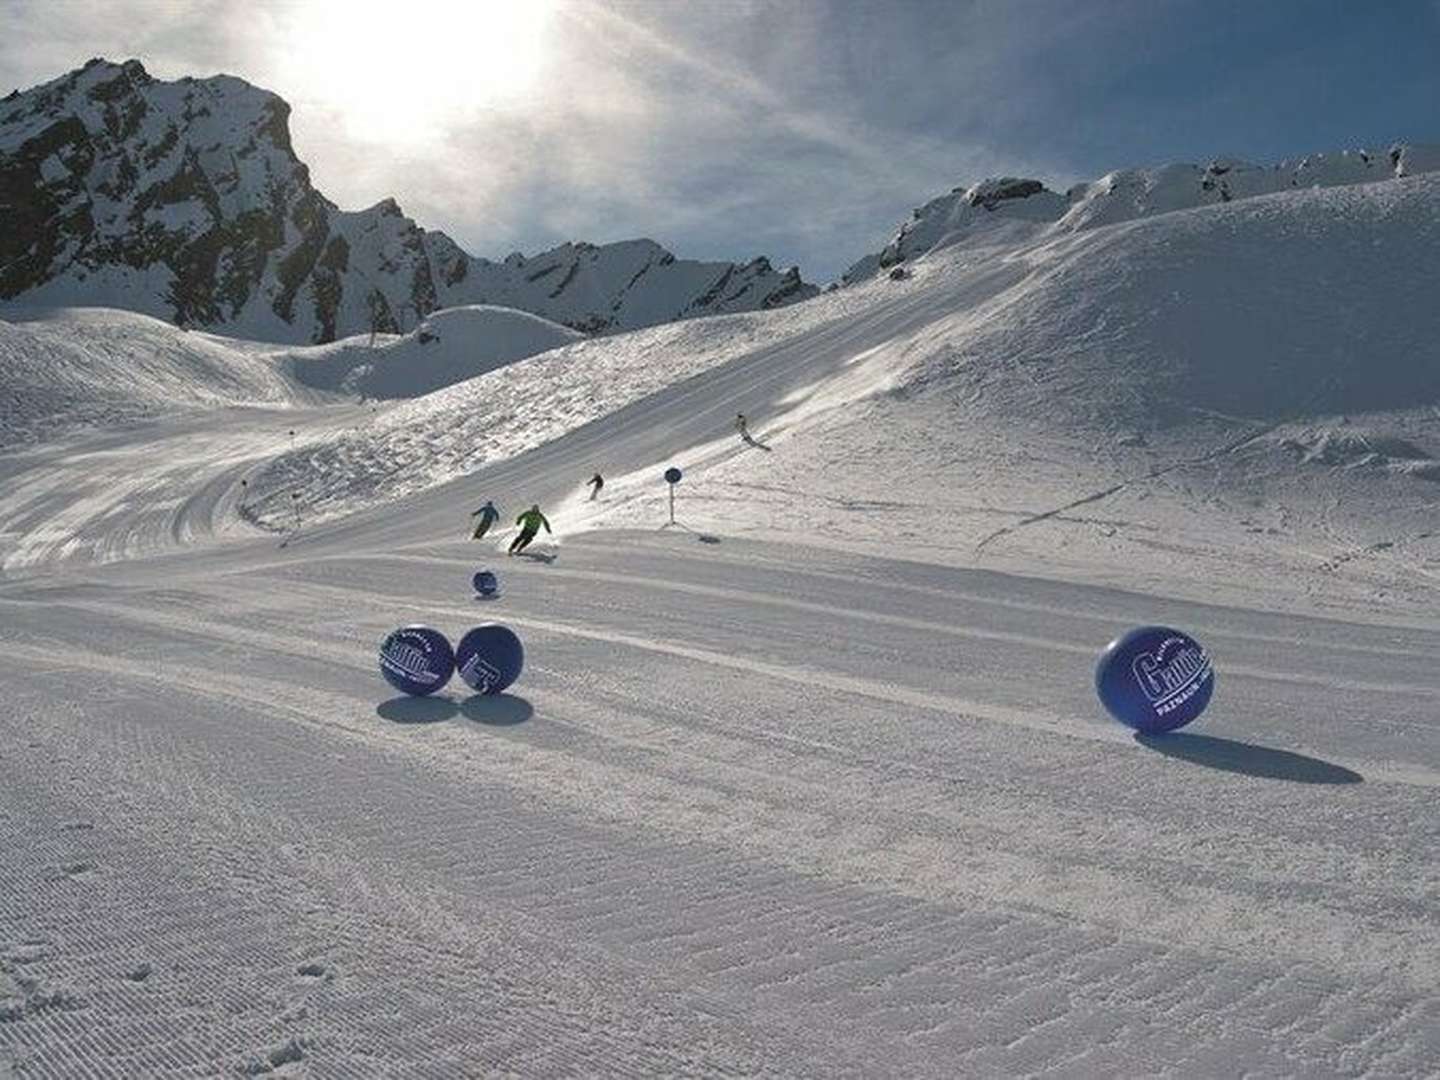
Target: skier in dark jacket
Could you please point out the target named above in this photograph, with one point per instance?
(529, 522)
(488, 515)
(742, 425)
(596, 483)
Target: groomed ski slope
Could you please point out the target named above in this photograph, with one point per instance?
(756, 806)
(752, 809)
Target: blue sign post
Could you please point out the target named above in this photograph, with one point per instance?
(672, 477)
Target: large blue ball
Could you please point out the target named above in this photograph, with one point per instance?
(416, 660)
(1155, 679)
(489, 658)
(485, 582)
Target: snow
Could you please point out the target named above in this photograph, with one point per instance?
(1016, 207)
(53, 169)
(80, 368)
(420, 444)
(1113, 368)
(451, 346)
(750, 809)
(73, 368)
(813, 783)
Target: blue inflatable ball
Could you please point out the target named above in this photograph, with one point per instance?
(489, 658)
(673, 475)
(1155, 679)
(486, 584)
(416, 660)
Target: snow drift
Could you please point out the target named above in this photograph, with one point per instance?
(450, 346)
(1306, 303)
(71, 369)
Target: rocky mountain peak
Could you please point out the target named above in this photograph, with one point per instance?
(185, 200)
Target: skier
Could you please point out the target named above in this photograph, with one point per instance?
(596, 483)
(529, 522)
(743, 426)
(488, 515)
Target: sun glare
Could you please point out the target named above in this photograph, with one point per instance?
(403, 71)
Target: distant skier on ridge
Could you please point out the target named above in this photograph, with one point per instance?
(529, 522)
(743, 427)
(596, 482)
(488, 515)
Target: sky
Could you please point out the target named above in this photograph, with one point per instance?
(804, 130)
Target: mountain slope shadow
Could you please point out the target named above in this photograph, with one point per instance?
(497, 710)
(417, 710)
(1230, 755)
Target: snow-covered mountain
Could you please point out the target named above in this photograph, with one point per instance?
(1008, 208)
(185, 200)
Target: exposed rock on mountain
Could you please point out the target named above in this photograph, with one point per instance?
(185, 200)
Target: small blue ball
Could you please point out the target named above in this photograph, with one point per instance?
(485, 582)
(673, 475)
(489, 658)
(1155, 679)
(416, 660)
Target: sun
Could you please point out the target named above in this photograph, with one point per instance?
(406, 71)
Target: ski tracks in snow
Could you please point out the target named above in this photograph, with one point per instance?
(750, 810)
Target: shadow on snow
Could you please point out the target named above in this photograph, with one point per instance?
(1230, 755)
(493, 710)
(497, 710)
(417, 710)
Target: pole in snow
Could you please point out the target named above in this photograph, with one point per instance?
(295, 502)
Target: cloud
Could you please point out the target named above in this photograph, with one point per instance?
(803, 129)
(641, 126)
(655, 135)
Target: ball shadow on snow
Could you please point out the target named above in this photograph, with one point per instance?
(497, 710)
(417, 710)
(1230, 755)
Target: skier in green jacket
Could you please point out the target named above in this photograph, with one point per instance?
(529, 522)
